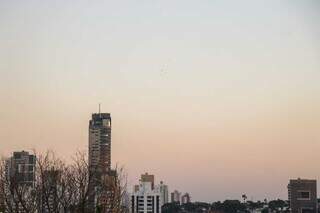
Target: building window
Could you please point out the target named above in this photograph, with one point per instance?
(307, 210)
(20, 168)
(31, 159)
(303, 195)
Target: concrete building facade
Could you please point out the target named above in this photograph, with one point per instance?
(100, 142)
(185, 198)
(99, 159)
(146, 199)
(148, 178)
(175, 196)
(21, 168)
(164, 192)
(49, 198)
(302, 196)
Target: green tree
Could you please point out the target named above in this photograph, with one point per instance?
(171, 208)
(276, 204)
(229, 206)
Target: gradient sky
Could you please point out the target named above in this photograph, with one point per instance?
(216, 98)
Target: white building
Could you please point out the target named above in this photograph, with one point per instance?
(146, 199)
(164, 192)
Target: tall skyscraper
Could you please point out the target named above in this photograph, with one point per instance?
(100, 162)
(100, 142)
(302, 196)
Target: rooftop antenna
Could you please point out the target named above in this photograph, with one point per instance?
(100, 108)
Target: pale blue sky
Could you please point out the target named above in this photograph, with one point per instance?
(201, 89)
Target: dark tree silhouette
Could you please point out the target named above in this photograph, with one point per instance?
(62, 187)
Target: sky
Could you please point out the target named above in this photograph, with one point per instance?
(216, 98)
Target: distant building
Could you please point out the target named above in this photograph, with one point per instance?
(148, 178)
(2, 203)
(146, 199)
(302, 196)
(49, 198)
(185, 198)
(164, 192)
(100, 142)
(135, 188)
(175, 196)
(106, 200)
(99, 157)
(21, 168)
(20, 171)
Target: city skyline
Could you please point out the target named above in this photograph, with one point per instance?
(98, 119)
(223, 92)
